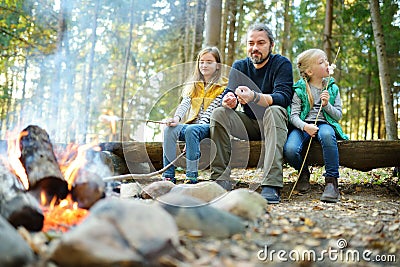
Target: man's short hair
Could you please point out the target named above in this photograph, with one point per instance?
(262, 27)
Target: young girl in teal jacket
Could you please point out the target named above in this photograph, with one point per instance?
(315, 111)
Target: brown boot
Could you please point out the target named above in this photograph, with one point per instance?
(303, 184)
(331, 193)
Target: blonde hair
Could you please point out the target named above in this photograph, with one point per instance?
(304, 62)
(198, 76)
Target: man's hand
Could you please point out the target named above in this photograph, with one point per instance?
(245, 94)
(311, 129)
(324, 98)
(229, 100)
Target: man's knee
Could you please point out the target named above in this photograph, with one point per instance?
(219, 116)
(276, 116)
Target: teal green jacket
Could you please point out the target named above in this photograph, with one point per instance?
(300, 89)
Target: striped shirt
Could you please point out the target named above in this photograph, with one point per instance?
(204, 115)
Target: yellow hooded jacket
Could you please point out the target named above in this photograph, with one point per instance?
(201, 96)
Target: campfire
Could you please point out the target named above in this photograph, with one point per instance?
(63, 216)
(44, 189)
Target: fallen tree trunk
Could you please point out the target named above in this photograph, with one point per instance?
(359, 155)
(40, 163)
(17, 206)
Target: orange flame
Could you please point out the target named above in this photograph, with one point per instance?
(66, 213)
(63, 216)
(14, 154)
(73, 160)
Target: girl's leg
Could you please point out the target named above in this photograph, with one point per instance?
(292, 150)
(171, 135)
(294, 146)
(193, 134)
(327, 138)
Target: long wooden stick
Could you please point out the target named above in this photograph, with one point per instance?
(146, 121)
(315, 123)
(142, 175)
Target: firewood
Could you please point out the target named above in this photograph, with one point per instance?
(17, 206)
(41, 166)
(87, 189)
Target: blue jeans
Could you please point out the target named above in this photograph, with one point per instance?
(192, 134)
(298, 140)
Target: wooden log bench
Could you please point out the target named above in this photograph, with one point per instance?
(354, 154)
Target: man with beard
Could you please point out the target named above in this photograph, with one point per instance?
(262, 84)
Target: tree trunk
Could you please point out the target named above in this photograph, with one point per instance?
(225, 19)
(232, 30)
(286, 30)
(350, 118)
(88, 100)
(188, 29)
(373, 118)
(213, 22)
(370, 154)
(328, 29)
(380, 118)
(56, 89)
(126, 63)
(366, 117)
(367, 99)
(358, 113)
(198, 27)
(384, 74)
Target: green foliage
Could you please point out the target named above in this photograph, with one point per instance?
(45, 57)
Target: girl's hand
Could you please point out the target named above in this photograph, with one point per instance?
(325, 98)
(244, 94)
(229, 100)
(172, 122)
(311, 129)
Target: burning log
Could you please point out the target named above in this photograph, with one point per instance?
(17, 206)
(87, 189)
(85, 184)
(40, 163)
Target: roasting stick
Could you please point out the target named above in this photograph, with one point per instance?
(142, 175)
(315, 123)
(146, 121)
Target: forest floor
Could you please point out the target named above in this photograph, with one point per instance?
(363, 229)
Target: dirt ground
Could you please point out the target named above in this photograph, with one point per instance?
(363, 229)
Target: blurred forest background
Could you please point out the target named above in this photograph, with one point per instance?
(96, 70)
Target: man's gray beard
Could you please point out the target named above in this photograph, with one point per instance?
(257, 60)
(261, 60)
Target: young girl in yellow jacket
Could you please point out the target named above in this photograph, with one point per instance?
(200, 98)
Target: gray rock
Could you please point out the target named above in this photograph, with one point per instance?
(119, 232)
(157, 189)
(206, 191)
(14, 251)
(244, 203)
(129, 190)
(192, 214)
